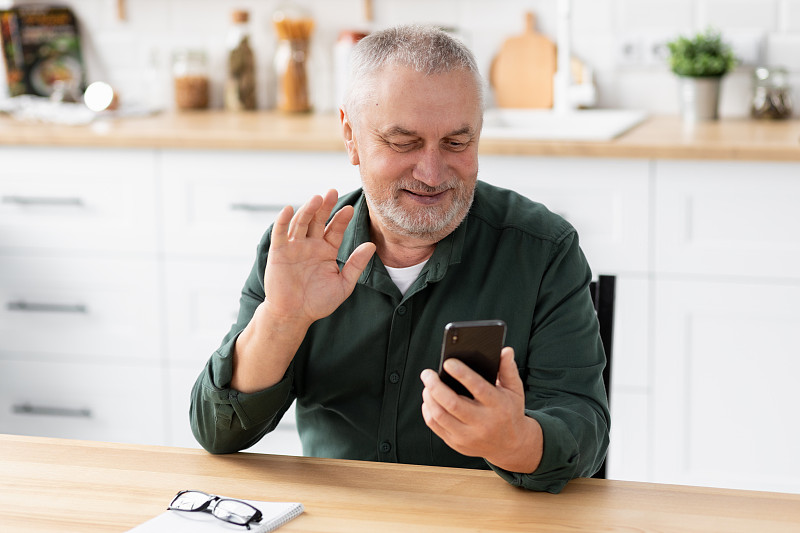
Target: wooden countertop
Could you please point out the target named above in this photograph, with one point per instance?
(658, 137)
(78, 486)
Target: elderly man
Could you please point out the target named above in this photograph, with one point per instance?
(345, 313)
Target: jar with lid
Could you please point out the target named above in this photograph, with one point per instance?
(293, 27)
(240, 84)
(190, 77)
(771, 94)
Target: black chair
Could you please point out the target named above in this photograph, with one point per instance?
(603, 295)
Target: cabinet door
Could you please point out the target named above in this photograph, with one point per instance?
(630, 395)
(74, 199)
(221, 203)
(725, 384)
(725, 218)
(119, 402)
(202, 299)
(56, 306)
(607, 201)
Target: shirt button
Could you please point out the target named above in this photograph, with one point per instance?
(394, 377)
(386, 447)
(401, 310)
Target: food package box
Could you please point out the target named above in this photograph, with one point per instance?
(41, 48)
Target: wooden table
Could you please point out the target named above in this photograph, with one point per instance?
(63, 485)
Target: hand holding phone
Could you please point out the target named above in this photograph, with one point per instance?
(477, 343)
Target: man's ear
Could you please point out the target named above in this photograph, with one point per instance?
(349, 137)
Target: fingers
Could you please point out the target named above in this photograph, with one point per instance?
(437, 402)
(317, 226)
(280, 229)
(474, 382)
(298, 227)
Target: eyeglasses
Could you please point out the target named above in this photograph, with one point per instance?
(232, 511)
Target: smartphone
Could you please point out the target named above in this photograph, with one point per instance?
(478, 344)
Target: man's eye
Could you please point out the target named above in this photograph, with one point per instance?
(456, 146)
(403, 147)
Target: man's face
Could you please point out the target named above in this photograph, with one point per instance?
(416, 144)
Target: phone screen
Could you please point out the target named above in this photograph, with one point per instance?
(478, 344)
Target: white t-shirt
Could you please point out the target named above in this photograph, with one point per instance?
(404, 277)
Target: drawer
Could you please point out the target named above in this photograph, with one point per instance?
(96, 307)
(605, 199)
(202, 301)
(77, 199)
(221, 203)
(728, 218)
(119, 403)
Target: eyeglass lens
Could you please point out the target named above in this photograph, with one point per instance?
(233, 511)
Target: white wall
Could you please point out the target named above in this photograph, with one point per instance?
(134, 54)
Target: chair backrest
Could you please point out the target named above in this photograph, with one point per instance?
(603, 295)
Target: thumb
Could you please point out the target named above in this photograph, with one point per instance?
(508, 375)
(357, 262)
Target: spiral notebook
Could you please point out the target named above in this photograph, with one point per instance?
(274, 515)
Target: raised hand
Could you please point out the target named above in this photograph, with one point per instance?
(302, 280)
(302, 283)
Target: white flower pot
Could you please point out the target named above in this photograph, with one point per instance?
(699, 98)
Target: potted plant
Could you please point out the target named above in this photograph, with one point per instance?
(700, 62)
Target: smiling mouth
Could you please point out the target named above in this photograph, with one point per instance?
(426, 197)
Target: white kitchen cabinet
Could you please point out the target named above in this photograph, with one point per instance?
(725, 384)
(156, 245)
(220, 203)
(202, 302)
(61, 306)
(77, 200)
(728, 218)
(629, 398)
(120, 402)
(725, 343)
(80, 314)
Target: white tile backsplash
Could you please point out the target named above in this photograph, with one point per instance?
(789, 16)
(731, 14)
(133, 52)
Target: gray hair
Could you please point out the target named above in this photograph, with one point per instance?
(425, 49)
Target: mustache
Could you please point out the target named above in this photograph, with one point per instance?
(418, 186)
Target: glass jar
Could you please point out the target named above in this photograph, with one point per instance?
(771, 94)
(293, 27)
(240, 84)
(190, 77)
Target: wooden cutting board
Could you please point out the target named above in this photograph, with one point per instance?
(522, 71)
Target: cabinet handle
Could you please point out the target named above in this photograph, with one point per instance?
(46, 308)
(256, 208)
(68, 412)
(43, 200)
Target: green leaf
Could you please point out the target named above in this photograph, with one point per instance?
(704, 55)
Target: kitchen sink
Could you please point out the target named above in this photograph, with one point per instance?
(549, 125)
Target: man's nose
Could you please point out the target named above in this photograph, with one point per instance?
(430, 167)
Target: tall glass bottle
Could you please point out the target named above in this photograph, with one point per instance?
(293, 27)
(240, 83)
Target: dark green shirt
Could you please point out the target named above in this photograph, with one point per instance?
(356, 374)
